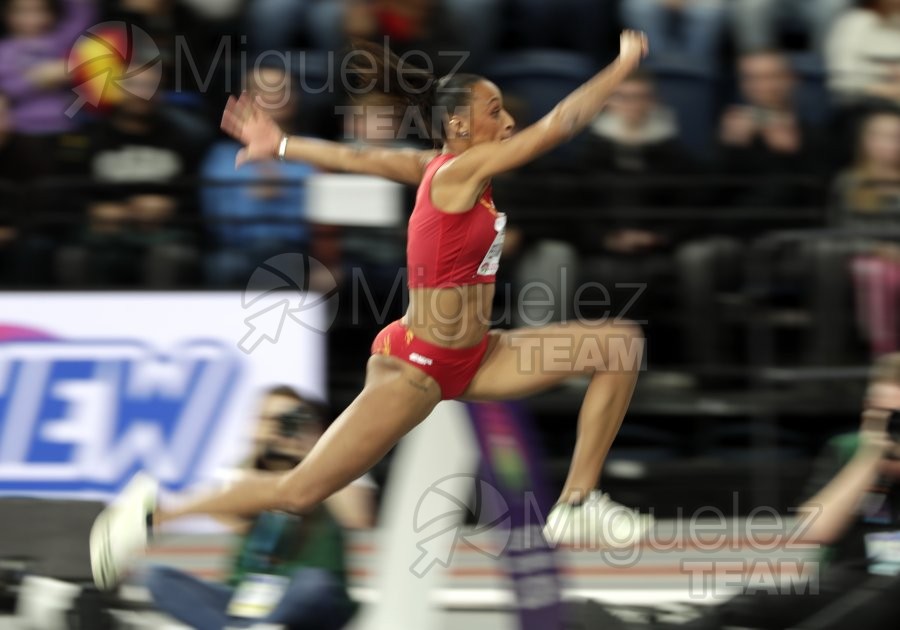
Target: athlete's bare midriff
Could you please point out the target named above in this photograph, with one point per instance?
(457, 317)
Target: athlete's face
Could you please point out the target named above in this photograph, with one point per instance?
(487, 119)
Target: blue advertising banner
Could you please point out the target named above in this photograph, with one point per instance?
(96, 386)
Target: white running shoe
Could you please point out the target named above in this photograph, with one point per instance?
(121, 531)
(597, 523)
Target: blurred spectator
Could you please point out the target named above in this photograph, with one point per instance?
(139, 155)
(257, 211)
(140, 141)
(869, 189)
(863, 53)
(34, 75)
(765, 139)
(297, 560)
(24, 261)
(129, 242)
(853, 505)
(759, 23)
(636, 136)
(192, 42)
(634, 140)
(868, 196)
(682, 33)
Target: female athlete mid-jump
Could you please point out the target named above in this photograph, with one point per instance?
(443, 347)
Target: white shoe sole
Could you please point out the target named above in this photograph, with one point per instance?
(120, 531)
(576, 526)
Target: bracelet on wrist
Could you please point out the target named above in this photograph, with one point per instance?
(282, 148)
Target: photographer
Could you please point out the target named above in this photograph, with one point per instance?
(855, 510)
(287, 569)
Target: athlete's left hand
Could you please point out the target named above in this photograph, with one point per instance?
(245, 121)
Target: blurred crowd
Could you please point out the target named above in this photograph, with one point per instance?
(754, 115)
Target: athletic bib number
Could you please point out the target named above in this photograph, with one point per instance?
(257, 596)
(491, 263)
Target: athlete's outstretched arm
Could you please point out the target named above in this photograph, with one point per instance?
(571, 116)
(250, 125)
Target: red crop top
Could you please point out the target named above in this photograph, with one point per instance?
(451, 250)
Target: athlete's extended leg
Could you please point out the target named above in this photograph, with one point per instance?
(396, 398)
(523, 362)
(526, 361)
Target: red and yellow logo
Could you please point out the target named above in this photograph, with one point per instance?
(110, 61)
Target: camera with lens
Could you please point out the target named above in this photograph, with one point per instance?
(280, 452)
(893, 428)
(300, 418)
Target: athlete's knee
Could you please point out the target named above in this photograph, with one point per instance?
(621, 347)
(627, 347)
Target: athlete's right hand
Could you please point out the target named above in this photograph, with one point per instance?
(245, 121)
(633, 46)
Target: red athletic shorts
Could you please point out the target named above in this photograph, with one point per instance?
(452, 368)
